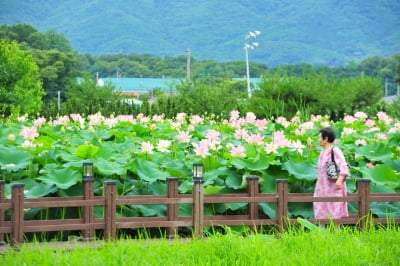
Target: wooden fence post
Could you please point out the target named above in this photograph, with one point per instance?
(282, 204)
(252, 190)
(363, 205)
(172, 209)
(2, 211)
(17, 216)
(198, 207)
(110, 209)
(88, 211)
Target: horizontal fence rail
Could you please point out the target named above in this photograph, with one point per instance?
(17, 226)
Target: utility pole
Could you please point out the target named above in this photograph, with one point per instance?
(188, 63)
(386, 87)
(58, 100)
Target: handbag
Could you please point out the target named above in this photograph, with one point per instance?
(332, 169)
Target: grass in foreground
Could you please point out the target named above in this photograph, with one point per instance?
(315, 247)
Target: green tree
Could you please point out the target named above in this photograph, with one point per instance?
(86, 97)
(57, 70)
(313, 93)
(212, 96)
(20, 88)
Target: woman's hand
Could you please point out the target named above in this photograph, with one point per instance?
(339, 182)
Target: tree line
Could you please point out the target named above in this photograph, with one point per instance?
(52, 63)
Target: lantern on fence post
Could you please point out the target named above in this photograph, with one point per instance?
(88, 170)
(198, 171)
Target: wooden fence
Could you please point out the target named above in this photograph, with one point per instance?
(16, 227)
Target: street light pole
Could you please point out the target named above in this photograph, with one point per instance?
(247, 72)
(250, 35)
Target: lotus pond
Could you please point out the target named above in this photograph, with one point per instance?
(141, 152)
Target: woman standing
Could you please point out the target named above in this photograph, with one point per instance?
(326, 187)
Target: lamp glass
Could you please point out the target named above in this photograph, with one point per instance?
(198, 170)
(87, 169)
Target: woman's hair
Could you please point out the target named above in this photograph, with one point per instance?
(328, 133)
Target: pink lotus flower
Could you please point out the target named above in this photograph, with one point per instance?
(126, 118)
(270, 148)
(213, 135)
(279, 140)
(250, 117)
(361, 115)
(110, 122)
(27, 144)
(316, 118)
(255, 139)
(29, 133)
(241, 133)
(77, 118)
(62, 120)
(348, 119)
(325, 124)
(157, 118)
(181, 117)
(96, 119)
(183, 137)
(380, 136)
(201, 149)
(297, 145)
(370, 123)
(38, 122)
(234, 115)
(359, 142)
(238, 151)
(11, 137)
(348, 131)
(163, 145)
(147, 147)
(260, 124)
(196, 119)
(282, 120)
(238, 123)
(382, 116)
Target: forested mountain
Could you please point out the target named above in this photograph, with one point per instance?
(332, 32)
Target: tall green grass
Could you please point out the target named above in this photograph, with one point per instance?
(345, 246)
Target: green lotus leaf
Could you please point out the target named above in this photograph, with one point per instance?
(301, 170)
(387, 210)
(151, 209)
(374, 152)
(108, 168)
(158, 188)
(234, 180)
(267, 184)
(185, 210)
(68, 157)
(176, 168)
(62, 178)
(32, 188)
(45, 140)
(147, 170)
(382, 174)
(213, 189)
(40, 190)
(217, 176)
(268, 209)
(223, 207)
(394, 164)
(86, 151)
(303, 209)
(13, 159)
(254, 164)
(185, 187)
